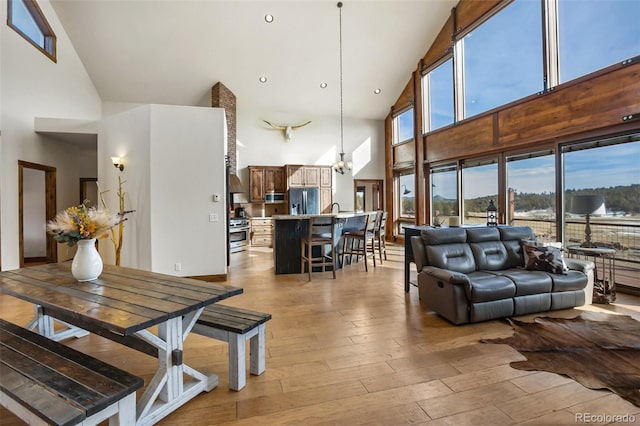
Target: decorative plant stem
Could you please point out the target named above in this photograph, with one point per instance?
(116, 235)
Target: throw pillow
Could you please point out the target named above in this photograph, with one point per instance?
(544, 258)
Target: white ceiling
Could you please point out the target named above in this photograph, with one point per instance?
(174, 51)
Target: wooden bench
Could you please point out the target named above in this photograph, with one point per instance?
(46, 382)
(235, 326)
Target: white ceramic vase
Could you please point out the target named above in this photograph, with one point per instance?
(87, 263)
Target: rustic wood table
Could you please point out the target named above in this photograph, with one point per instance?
(122, 304)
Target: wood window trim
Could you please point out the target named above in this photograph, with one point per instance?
(50, 40)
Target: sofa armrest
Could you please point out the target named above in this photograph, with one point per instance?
(579, 264)
(419, 252)
(452, 277)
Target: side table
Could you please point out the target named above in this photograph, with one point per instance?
(604, 280)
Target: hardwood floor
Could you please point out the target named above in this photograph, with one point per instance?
(358, 350)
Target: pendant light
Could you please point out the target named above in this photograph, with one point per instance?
(341, 166)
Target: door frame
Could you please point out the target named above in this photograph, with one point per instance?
(366, 182)
(50, 207)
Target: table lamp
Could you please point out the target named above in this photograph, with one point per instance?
(587, 205)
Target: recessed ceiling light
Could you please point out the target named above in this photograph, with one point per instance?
(323, 85)
(268, 18)
(377, 91)
(263, 79)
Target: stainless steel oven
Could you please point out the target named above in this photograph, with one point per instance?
(239, 229)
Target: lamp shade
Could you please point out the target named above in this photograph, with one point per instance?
(587, 204)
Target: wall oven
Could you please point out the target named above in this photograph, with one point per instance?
(239, 229)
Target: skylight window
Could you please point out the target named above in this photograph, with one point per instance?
(26, 18)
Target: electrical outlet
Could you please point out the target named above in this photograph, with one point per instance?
(178, 267)
(213, 217)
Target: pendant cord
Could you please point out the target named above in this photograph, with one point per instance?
(341, 106)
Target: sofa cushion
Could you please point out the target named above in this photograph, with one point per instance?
(528, 282)
(489, 255)
(512, 237)
(572, 280)
(455, 257)
(544, 258)
(487, 286)
(437, 236)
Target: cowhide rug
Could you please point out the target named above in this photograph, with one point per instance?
(599, 351)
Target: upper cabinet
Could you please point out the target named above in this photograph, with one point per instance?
(265, 179)
(301, 176)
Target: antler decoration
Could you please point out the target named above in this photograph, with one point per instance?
(287, 129)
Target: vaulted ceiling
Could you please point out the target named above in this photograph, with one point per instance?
(174, 51)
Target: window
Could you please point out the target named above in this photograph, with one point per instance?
(437, 93)
(26, 18)
(406, 195)
(596, 34)
(479, 186)
(503, 58)
(531, 193)
(403, 126)
(444, 193)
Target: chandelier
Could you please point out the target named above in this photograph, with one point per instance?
(341, 166)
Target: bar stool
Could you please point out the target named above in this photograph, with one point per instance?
(357, 242)
(320, 233)
(380, 235)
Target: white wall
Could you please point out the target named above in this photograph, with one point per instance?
(34, 86)
(316, 143)
(174, 164)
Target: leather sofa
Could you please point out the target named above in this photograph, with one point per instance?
(477, 274)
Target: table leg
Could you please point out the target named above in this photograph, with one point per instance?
(44, 325)
(167, 390)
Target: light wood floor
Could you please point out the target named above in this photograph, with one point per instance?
(358, 350)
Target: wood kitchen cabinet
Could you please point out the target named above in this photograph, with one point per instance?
(326, 189)
(274, 179)
(262, 232)
(301, 176)
(263, 179)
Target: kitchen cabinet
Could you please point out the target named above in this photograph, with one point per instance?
(262, 232)
(326, 189)
(301, 176)
(263, 179)
(274, 179)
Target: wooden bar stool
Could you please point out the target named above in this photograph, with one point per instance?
(357, 242)
(320, 233)
(380, 235)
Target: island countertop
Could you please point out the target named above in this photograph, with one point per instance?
(288, 231)
(340, 215)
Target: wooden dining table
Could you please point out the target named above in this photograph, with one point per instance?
(122, 304)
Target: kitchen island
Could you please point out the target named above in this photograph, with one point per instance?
(287, 238)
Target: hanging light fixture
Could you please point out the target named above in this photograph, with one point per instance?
(341, 166)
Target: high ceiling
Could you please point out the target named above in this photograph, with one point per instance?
(174, 51)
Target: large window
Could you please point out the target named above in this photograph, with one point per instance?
(437, 95)
(531, 193)
(403, 126)
(444, 193)
(406, 195)
(503, 58)
(595, 34)
(479, 187)
(26, 18)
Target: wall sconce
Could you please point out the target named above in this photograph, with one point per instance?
(118, 163)
(406, 191)
(492, 214)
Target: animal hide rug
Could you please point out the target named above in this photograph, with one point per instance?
(599, 351)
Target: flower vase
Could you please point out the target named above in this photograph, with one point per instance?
(87, 263)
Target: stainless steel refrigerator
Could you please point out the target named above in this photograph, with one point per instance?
(304, 201)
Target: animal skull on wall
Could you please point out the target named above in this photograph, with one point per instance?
(288, 130)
